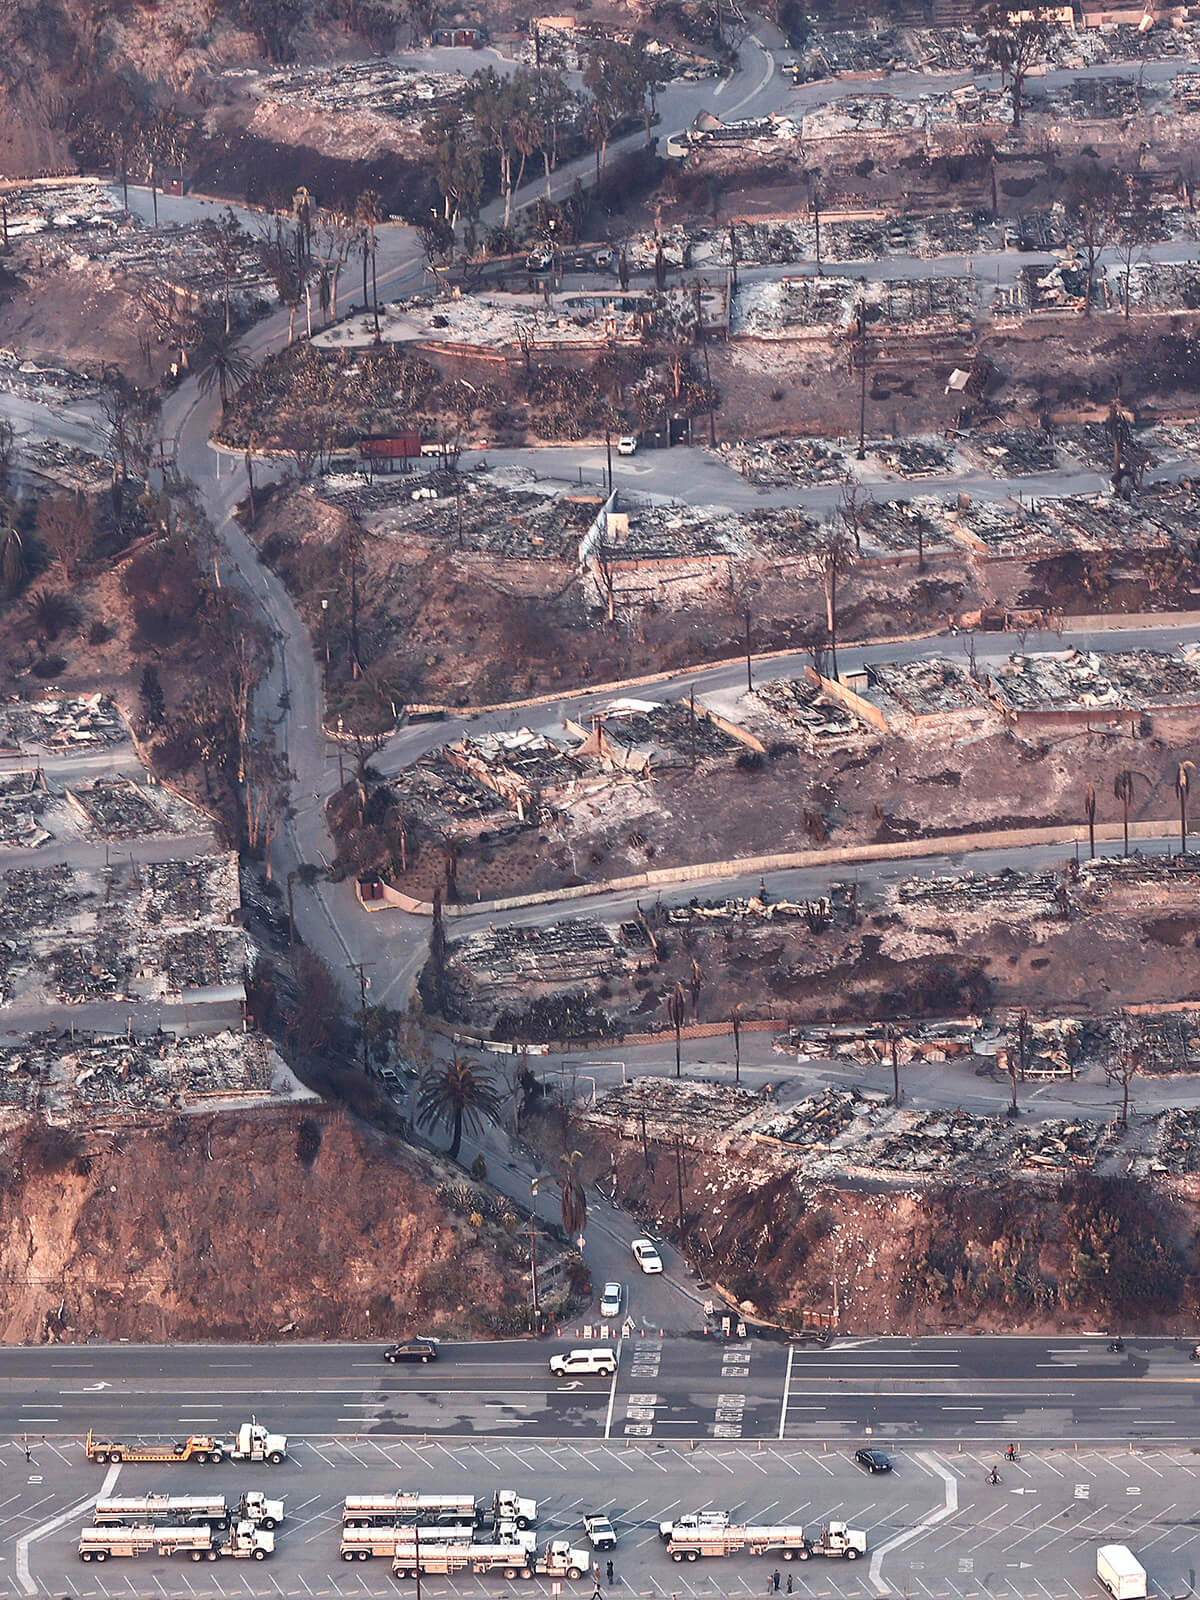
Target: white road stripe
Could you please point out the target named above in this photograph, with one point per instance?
(787, 1383)
(930, 1521)
(24, 1578)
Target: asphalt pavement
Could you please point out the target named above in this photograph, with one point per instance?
(936, 1527)
(698, 1387)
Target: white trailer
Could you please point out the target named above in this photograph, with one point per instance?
(360, 1544)
(368, 1510)
(443, 1559)
(695, 1544)
(205, 1543)
(186, 1510)
(1121, 1573)
(558, 1560)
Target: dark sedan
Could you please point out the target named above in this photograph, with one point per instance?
(873, 1460)
(412, 1350)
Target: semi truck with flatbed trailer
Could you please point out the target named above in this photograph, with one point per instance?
(200, 1542)
(360, 1544)
(789, 1542)
(251, 1443)
(558, 1560)
(186, 1510)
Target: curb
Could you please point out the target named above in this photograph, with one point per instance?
(846, 855)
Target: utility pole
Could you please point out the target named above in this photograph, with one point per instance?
(359, 968)
(862, 381)
(291, 878)
(749, 662)
(534, 1234)
(679, 1183)
(645, 1145)
(702, 335)
(608, 451)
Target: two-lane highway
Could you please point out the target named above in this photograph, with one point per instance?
(1071, 1389)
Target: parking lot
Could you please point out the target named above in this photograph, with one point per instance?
(937, 1529)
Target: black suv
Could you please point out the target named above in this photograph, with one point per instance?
(412, 1350)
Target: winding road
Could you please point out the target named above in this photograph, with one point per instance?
(393, 945)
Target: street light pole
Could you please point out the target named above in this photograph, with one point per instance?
(862, 381)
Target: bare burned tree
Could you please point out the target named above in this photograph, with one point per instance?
(1015, 42)
(833, 552)
(66, 527)
(267, 785)
(1125, 1062)
(226, 240)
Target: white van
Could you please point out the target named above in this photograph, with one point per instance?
(584, 1363)
(1121, 1573)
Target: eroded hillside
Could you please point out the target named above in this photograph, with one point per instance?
(292, 1224)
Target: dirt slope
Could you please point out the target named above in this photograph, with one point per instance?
(1026, 1253)
(237, 1226)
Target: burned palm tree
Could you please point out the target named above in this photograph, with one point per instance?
(1123, 789)
(1183, 783)
(676, 1011)
(1089, 807)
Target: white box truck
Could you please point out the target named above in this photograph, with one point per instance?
(1121, 1573)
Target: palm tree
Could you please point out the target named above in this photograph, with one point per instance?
(1123, 789)
(1182, 785)
(574, 1195)
(1089, 806)
(457, 1094)
(222, 363)
(676, 1011)
(53, 612)
(14, 562)
(368, 213)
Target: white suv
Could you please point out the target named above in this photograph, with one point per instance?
(646, 1256)
(584, 1363)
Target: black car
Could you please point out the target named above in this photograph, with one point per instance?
(412, 1350)
(873, 1460)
